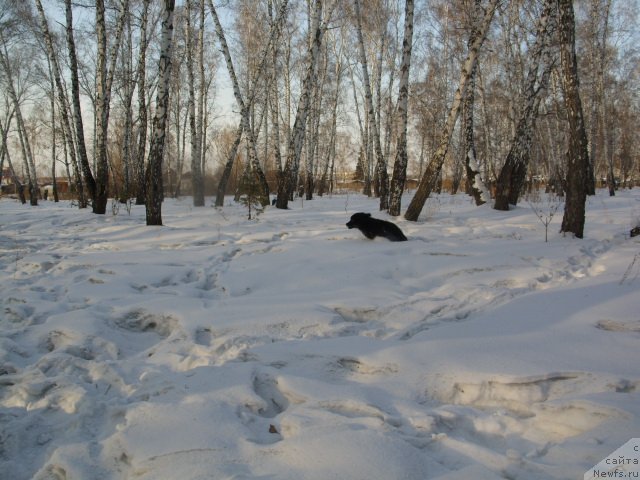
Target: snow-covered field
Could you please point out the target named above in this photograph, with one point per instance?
(290, 347)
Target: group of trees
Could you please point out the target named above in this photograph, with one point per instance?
(493, 92)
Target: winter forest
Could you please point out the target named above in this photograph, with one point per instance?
(183, 296)
(133, 100)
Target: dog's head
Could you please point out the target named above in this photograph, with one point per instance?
(357, 219)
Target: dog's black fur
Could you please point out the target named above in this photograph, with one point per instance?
(374, 227)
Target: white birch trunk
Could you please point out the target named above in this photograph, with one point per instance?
(104, 80)
(154, 188)
(83, 158)
(400, 164)
(142, 106)
(197, 184)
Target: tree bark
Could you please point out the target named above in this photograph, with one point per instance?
(154, 188)
(577, 153)
(197, 181)
(89, 181)
(400, 165)
(433, 171)
(475, 184)
(228, 167)
(104, 81)
(381, 166)
(4, 131)
(142, 106)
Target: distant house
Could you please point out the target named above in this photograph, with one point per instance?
(46, 186)
(6, 185)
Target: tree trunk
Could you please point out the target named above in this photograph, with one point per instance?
(154, 189)
(475, 185)
(201, 132)
(577, 154)
(104, 81)
(4, 132)
(102, 170)
(602, 96)
(433, 171)
(142, 106)
(513, 173)
(274, 102)
(89, 181)
(197, 181)
(400, 165)
(381, 167)
(228, 167)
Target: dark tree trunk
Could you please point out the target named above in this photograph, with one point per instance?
(228, 167)
(577, 153)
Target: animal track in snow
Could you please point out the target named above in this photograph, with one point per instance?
(266, 387)
(204, 336)
(355, 366)
(540, 405)
(142, 321)
(609, 325)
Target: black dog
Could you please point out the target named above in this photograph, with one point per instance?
(374, 227)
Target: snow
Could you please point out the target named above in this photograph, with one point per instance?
(290, 347)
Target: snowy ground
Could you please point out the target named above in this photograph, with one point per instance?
(290, 347)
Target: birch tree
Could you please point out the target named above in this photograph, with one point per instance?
(431, 174)
(600, 123)
(78, 123)
(25, 143)
(297, 133)
(400, 164)
(245, 107)
(104, 82)
(381, 166)
(5, 154)
(141, 74)
(62, 102)
(154, 187)
(195, 118)
(475, 184)
(512, 175)
(577, 151)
